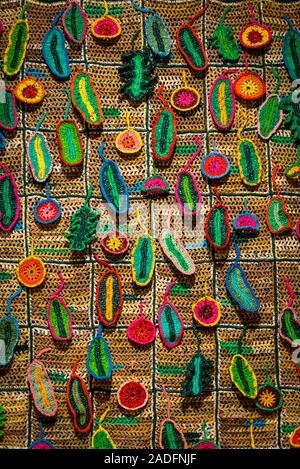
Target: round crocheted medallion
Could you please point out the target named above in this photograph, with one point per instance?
(132, 395)
(215, 165)
(269, 398)
(255, 36)
(185, 98)
(30, 91)
(141, 331)
(295, 438)
(249, 86)
(129, 141)
(31, 271)
(47, 211)
(115, 242)
(106, 28)
(207, 311)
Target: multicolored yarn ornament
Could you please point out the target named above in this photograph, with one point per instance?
(269, 397)
(79, 401)
(277, 217)
(83, 225)
(289, 323)
(291, 50)
(39, 157)
(207, 311)
(143, 256)
(154, 185)
(190, 45)
(255, 35)
(217, 227)
(205, 443)
(170, 436)
(54, 50)
(129, 141)
(187, 193)
(48, 210)
(223, 40)
(248, 159)
(99, 363)
(221, 101)
(101, 439)
(169, 321)
(85, 98)
(74, 22)
(215, 165)
(3, 419)
(239, 288)
(292, 120)
(115, 242)
(141, 331)
(249, 85)
(15, 51)
(163, 130)
(41, 443)
(106, 27)
(112, 184)
(8, 110)
(185, 98)
(70, 144)
(30, 91)
(246, 223)
(9, 200)
(270, 116)
(9, 331)
(58, 315)
(41, 388)
(31, 271)
(132, 395)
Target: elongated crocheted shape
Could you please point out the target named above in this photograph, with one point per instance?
(8, 110)
(15, 52)
(291, 50)
(9, 332)
(223, 40)
(98, 362)
(79, 402)
(217, 227)
(54, 50)
(58, 315)
(169, 321)
(74, 22)
(9, 200)
(85, 98)
(221, 101)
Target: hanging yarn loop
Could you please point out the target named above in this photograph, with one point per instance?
(194, 156)
(11, 298)
(197, 15)
(244, 123)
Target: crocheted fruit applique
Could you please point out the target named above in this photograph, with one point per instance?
(141, 331)
(106, 27)
(54, 50)
(215, 165)
(85, 98)
(277, 217)
(41, 443)
(39, 157)
(9, 332)
(190, 45)
(30, 91)
(129, 141)
(83, 225)
(79, 401)
(132, 395)
(221, 101)
(248, 158)
(185, 98)
(187, 193)
(169, 321)
(155, 185)
(163, 131)
(8, 110)
(291, 50)
(292, 120)
(9, 200)
(98, 362)
(112, 184)
(205, 443)
(48, 210)
(269, 397)
(255, 35)
(101, 439)
(69, 140)
(270, 116)
(143, 256)
(170, 436)
(31, 271)
(246, 223)
(58, 315)
(217, 227)
(289, 323)
(249, 85)
(115, 242)
(293, 171)
(295, 438)
(207, 311)
(198, 375)
(15, 52)
(74, 22)
(41, 388)
(239, 288)
(223, 40)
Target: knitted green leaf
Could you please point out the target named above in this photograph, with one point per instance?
(136, 74)
(223, 40)
(292, 120)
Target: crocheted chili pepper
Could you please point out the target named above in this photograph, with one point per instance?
(169, 321)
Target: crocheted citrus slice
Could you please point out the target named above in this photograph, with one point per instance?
(246, 222)
(9, 332)
(185, 98)
(31, 271)
(79, 402)
(115, 242)
(101, 439)
(291, 50)
(255, 35)
(217, 227)
(48, 210)
(58, 315)
(85, 98)
(155, 184)
(132, 395)
(129, 141)
(215, 165)
(74, 22)
(15, 52)
(207, 311)
(9, 200)
(243, 376)
(163, 131)
(98, 362)
(54, 50)
(221, 101)
(249, 86)
(109, 295)
(106, 27)
(141, 331)
(30, 91)
(169, 321)
(8, 110)
(295, 438)
(269, 398)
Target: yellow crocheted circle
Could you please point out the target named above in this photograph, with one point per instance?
(30, 91)
(31, 271)
(129, 141)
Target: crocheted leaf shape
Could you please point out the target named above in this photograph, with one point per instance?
(54, 50)
(198, 376)
(170, 325)
(8, 110)
(217, 227)
(75, 22)
(109, 297)
(137, 75)
(224, 42)
(289, 325)
(101, 439)
(79, 402)
(59, 317)
(291, 50)
(171, 436)
(15, 52)
(249, 162)
(277, 217)
(270, 116)
(292, 120)
(9, 335)
(2, 420)
(85, 98)
(143, 260)
(243, 376)
(222, 102)
(9, 200)
(98, 362)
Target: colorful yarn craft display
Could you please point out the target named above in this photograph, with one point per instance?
(106, 27)
(269, 398)
(41, 443)
(207, 311)
(115, 243)
(9, 331)
(289, 323)
(249, 86)
(155, 185)
(291, 50)
(8, 110)
(85, 98)
(205, 443)
(246, 223)
(132, 396)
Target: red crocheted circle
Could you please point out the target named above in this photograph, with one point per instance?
(141, 331)
(132, 395)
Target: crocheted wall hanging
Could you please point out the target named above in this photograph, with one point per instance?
(217, 227)
(170, 435)
(246, 223)
(129, 141)
(106, 27)
(248, 159)
(8, 110)
(15, 51)
(85, 98)
(249, 85)
(223, 40)
(74, 22)
(101, 439)
(41, 388)
(41, 443)
(277, 217)
(9, 200)
(3, 419)
(115, 242)
(132, 395)
(30, 91)
(292, 120)
(185, 98)
(70, 143)
(155, 185)
(143, 256)
(291, 50)
(31, 271)
(293, 171)
(98, 362)
(221, 101)
(207, 311)
(270, 116)
(269, 397)
(39, 157)
(48, 210)
(58, 315)
(112, 184)
(190, 45)
(164, 130)
(187, 192)
(198, 375)
(169, 321)
(289, 323)
(54, 50)
(83, 225)
(79, 401)
(141, 331)
(9, 332)
(215, 165)
(239, 288)
(255, 35)
(157, 35)
(205, 443)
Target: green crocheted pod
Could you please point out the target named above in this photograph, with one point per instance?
(82, 228)
(59, 320)
(158, 36)
(278, 219)
(249, 163)
(98, 361)
(191, 48)
(70, 144)
(102, 440)
(79, 403)
(269, 117)
(243, 376)
(289, 326)
(40, 158)
(85, 98)
(222, 102)
(164, 134)
(217, 227)
(75, 22)
(171, 436)
(8, 339)
(177, 254)
(137, 75)
(17, 42)
(143, 260)
(291, 51)
(8, 113)
(197, 377)
(224, 42)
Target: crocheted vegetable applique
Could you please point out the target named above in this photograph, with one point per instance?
(187, 193)
(141, 331)
(9, 200)
(31, 271)
(190, 45)
(185, 98)
(292, 120)
(54, 50)
(112, 184)
(70, 144)
(255, 35)
(207, 311)
(15, 52)
(205, 443)
(289, 323)
(101, 439)
(48, 210)
(295, 438)
(155, 185)
(58, 315)
(291, 50)
(8, 109)
(129, 141)
(198, 373)
(132, 395)
(277, 217)
(106, 28)
(217, 227)
(30, 90)
(269, 397)
(248, 159)
(74, 22)
(115, 243)
(99, 363)
(79, 401)
(239, 288)
(270, 116)
(41, 443)
(39, 157)
(41, 388)
(221, 101)
(169, 321)
(143, 256)
(249, 85)
(293, 171)
(85, 98)
(163, 131)
(3, 419)
(170, 435)
(215, 165)
(246, 223)
(83, 225)
(223, 40)
(9, 332)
